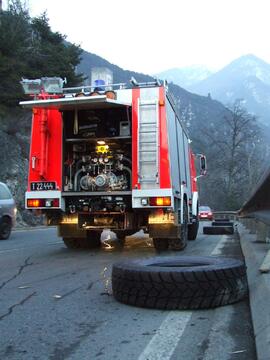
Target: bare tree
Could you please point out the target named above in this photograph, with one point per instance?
(235, 152)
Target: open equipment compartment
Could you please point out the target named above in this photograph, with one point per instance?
(97, 164)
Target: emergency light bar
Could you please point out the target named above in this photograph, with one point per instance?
(50, 85)
(31, 86)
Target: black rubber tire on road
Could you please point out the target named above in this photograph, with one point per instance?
(222, 223)
(193, 230)
(5, 228)
(183, 282)
(218, 230)
(161, 244)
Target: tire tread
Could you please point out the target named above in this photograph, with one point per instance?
(196, 289)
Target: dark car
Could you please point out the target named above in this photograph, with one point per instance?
(7, 212)
(205, 213)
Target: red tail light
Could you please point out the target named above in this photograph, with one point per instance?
(55, 203)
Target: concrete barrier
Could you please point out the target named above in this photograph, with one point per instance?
(254, 238)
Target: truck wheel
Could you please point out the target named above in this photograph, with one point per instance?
(5, 228)
(161, 244)
(193, 230)
(92, 240)
(178, 244)
(121, 235)
(72, 243)
(179, 282)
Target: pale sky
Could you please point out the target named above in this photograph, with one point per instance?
(151, 36)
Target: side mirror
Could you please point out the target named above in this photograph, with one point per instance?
(203, 167)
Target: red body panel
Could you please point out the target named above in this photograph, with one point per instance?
(192, 171)
(45, 162)
(164, 164)
(135, 97)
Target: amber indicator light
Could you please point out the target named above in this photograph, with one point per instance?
(160, 201)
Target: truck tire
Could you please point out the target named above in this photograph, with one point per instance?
(180, 243)
(186, 282)
(218, 230)
(193, 230)
(122, 234)
(161, 244)
(5, 228)
(92, 241)
(72, 243)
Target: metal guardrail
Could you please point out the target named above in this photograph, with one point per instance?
(254, 231)
(255, 216)
(259, 199)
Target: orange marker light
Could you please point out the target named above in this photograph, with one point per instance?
(33, 203)
(160, 201)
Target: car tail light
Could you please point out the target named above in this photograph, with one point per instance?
(160, 201)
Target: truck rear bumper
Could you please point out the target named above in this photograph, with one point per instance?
(45, 200)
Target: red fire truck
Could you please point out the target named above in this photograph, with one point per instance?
(111, 157)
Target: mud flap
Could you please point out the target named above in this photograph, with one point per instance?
(168, 231)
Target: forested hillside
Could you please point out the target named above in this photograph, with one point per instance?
(230, 138)
(29, 49)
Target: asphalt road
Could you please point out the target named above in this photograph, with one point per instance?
(56, 304)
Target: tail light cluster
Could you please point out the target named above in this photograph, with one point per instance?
(157, 201)
(43, 203)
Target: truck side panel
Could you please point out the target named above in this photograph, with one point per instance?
(173, 147)
(181, 152)
(135, 99)
(165, 176)
(187, 164)
(45, 163)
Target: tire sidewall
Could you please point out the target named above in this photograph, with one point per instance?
(5, 229)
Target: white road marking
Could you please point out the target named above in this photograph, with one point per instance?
(168, 335)
(220, 245)
(164, 342)
(34, 229)
(4, 251)
(23, 248)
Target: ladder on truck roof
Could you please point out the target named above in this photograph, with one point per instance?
(148, 143)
